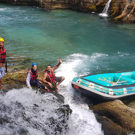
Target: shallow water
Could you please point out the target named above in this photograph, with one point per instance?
(86, 43)
(43, 36)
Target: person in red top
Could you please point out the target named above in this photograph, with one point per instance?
(50, 78)
(2, 60)
(32, 78)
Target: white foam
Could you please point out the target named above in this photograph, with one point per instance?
(29, 110)
(82, 121)
(103, 14)
(2, 9)
(78, 62)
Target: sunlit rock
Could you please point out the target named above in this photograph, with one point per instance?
(122, 10)
(118, 112)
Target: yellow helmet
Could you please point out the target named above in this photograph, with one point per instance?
(1, 39)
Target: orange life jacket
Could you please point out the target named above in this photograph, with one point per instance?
(51, 76)
(33, 77)
(2, 55)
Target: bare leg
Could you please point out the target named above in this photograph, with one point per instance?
(46, 88)
(63, 78)
(1, 84)
(56, 91)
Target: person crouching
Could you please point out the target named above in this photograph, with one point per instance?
(32, 78)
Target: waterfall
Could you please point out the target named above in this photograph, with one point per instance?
(104, 12)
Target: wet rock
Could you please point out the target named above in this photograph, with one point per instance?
(60, 98)
(109, 127)
(19, 119)
(16, 63)
(14, 80)
(17, 79)
(118, 112)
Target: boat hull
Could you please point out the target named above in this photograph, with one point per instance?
(101, 92)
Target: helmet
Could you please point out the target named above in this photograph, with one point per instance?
(34, 64)
(1, 39)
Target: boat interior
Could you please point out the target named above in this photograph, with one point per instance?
(113, 79)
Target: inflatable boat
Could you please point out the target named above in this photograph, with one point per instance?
(108, 86)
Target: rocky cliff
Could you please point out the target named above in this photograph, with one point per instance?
(123, 10)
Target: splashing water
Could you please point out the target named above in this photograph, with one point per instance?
(82, 121)
(105, 11)
(76, 38)
(26, 112)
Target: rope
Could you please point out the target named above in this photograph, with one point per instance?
(101, 87)
(118, 79)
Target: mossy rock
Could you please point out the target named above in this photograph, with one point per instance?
(99, 9)
(92, 8)
(118, 112)
(18, 80)
(114, 11)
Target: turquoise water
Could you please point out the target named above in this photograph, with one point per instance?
(86, 43)
(44, 36)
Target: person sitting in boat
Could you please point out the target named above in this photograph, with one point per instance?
(32, 76)
(2, 60)
(50, 78)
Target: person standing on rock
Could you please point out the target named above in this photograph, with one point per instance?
(50, 78)
(32, 76)
(2, 60)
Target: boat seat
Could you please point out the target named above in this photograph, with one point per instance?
(120, 78)
(104, 83)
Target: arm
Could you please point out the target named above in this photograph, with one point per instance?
(1, 65)
(28, 80)
(44, 80)
(60, 61)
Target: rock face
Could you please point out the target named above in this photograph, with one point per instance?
(43, 113)
(119, 113)
(37, 114)
(123, 10)
(22, 2)
(128, 14)
(17, 79)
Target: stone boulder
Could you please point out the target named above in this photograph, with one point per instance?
(54, 122)
(118, 112)
(17, 79)
(111, 128)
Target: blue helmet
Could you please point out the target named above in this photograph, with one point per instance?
(34, 64)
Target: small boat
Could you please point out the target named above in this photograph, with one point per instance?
(108, 86)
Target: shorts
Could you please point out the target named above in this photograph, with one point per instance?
(2, 72)
(57, 79)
